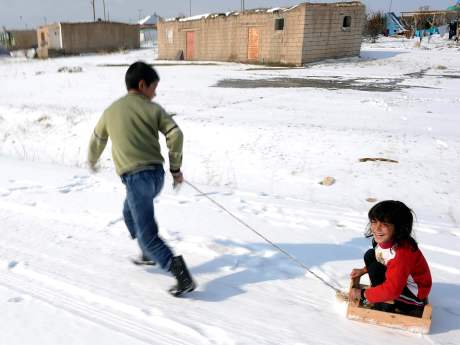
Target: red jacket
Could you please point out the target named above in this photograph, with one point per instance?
(405, 267)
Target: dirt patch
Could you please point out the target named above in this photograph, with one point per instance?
(160, 64)
(449, 76)
(417, 75)
(377, 160)
(272, 68)
(360, 84)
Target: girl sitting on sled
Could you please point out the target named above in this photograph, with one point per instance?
(397, 268)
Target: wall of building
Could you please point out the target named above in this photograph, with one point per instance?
(22, 39)
(225, 38)
(98, 36)
(325, 36)
(311, 32)
(49, 38)
(75, 38)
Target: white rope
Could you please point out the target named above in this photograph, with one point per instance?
(291, 257)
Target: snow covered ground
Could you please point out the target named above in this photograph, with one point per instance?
(258, 150)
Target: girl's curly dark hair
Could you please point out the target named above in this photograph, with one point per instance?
(396, 213)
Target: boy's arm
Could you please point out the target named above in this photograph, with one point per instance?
(174, 140)
(97, 143)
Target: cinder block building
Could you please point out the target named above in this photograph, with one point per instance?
(75, 38)
(286, 36)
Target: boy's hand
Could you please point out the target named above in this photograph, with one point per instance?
(358, 272)
(178, 178)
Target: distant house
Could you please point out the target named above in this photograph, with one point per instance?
(394, 25)
(76, 38)
(148, 31)
(294, 36)
(18, 39)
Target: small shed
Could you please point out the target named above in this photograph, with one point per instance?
(283, 36)
(75, 38)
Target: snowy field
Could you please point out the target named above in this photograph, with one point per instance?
(259, 147)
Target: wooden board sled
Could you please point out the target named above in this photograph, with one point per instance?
(358, 312)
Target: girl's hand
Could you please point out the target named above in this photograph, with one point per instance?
(354, 294)
(358, 272)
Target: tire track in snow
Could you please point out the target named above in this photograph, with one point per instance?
(46, 277)
(104, 311)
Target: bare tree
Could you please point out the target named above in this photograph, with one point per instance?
(375, 25)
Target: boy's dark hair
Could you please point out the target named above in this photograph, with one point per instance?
(140, 71)
(396, 213)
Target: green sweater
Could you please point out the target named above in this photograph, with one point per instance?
(132, 123)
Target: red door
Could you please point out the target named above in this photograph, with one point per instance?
(253, 44)
(190, 47)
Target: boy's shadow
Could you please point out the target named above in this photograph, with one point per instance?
(444, 298)
(261, 262)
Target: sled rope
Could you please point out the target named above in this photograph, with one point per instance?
(281, 250)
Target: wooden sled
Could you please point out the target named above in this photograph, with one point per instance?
(356, 311)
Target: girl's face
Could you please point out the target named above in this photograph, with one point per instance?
(383, 232)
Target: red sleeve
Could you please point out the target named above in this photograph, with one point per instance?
(398, 270)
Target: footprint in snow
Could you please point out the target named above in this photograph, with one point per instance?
(4, 192)
(79, 183)
(15, 299)
(441, 144)
(12, 264)
(115, 221)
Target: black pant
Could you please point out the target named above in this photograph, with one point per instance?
(377, 271)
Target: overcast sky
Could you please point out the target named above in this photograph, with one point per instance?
(20, 14)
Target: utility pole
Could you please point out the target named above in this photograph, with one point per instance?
(103, 5)
(190, 7)
(94, 9)
(242, 5)
(140, 13)
(391, 3)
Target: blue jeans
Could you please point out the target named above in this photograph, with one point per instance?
(138, 212)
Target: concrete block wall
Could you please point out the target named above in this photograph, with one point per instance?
(325, 37)
(90, 37)
(311, 32)
(225, 38)
(75, 38)
(23, 39)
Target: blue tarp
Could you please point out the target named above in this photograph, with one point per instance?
(393, 24)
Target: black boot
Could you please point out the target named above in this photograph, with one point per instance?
(386, 307)
(185, 282)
